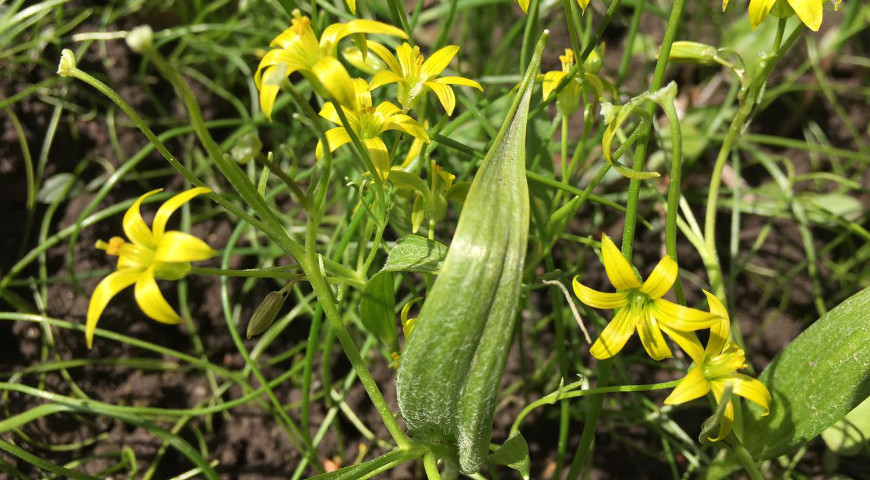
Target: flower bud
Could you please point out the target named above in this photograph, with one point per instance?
(67, 62)
(693, 52)
(265, 314)
(140, 39)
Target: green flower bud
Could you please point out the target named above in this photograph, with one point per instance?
(693, 52)
(140, 39)
(67, 62)
(265, 314)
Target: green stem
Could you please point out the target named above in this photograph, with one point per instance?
(562, 394)
(745, 459)
(642, 142)
(271, 272)
(739, 124)
(674, 193)
(592, 414)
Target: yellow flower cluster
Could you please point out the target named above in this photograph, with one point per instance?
(298, 49)
(642, 308)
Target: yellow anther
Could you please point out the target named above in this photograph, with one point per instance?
(113, 247)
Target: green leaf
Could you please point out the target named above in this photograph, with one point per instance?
(56, 187)
(448, 379)
(378, 308)
(819, 378)
(514, 454)
(851, 434)
(416, 254)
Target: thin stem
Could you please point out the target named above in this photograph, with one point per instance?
(271, 272)
(738, 125)
(674, 193)
(642, 142)
(745, 459)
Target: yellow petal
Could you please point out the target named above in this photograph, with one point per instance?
(618, 269)
(524, 4)
(750, 389)
(335, 32)
(465, 82)
(333, 77)
(351, 4)
(268, 94)
(407, 57)
(727, 420)
(652, 339)
(721, 330)
(387, 110)
(596, 299)
(661, 279)
(692, 386)
(614, 336)
(438, 61)
(328, 112)
(402, 123)
(445, 95)
(688, 341)
(151, 301)
(758, 10)
(106, 289)
(384, 77)
(386, 55)
(809, 11)
(681, 318)
(551, 81)
(170, 206)
(182, 247)
(336, 137)
(583, 4)
(379, 155)
(134, 227)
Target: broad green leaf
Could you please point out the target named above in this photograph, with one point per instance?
(451, 367)
(377, 309)
(819, 378)
(416, 254)
(850, 435)
(514, 454)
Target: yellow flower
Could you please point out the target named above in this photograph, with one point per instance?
(569, 98)
(641, 307)
(809, 11)
(299, 50)
(524, 4)
(368, 123)
(416, 76)
(151, 253)
(715, 367)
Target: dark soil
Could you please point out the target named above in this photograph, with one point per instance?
(248, 444)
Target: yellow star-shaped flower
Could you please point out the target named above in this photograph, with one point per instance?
(415, 76)
(715, 367)
(368, 123)
(152, 253)
(641, 307)
(299, 50)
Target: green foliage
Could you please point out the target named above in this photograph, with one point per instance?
(451, 368)
(821, 376)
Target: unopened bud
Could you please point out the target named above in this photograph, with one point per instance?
(140, 39)
(693, 52)
(246, 148)
(67, 62)
(265, 314)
